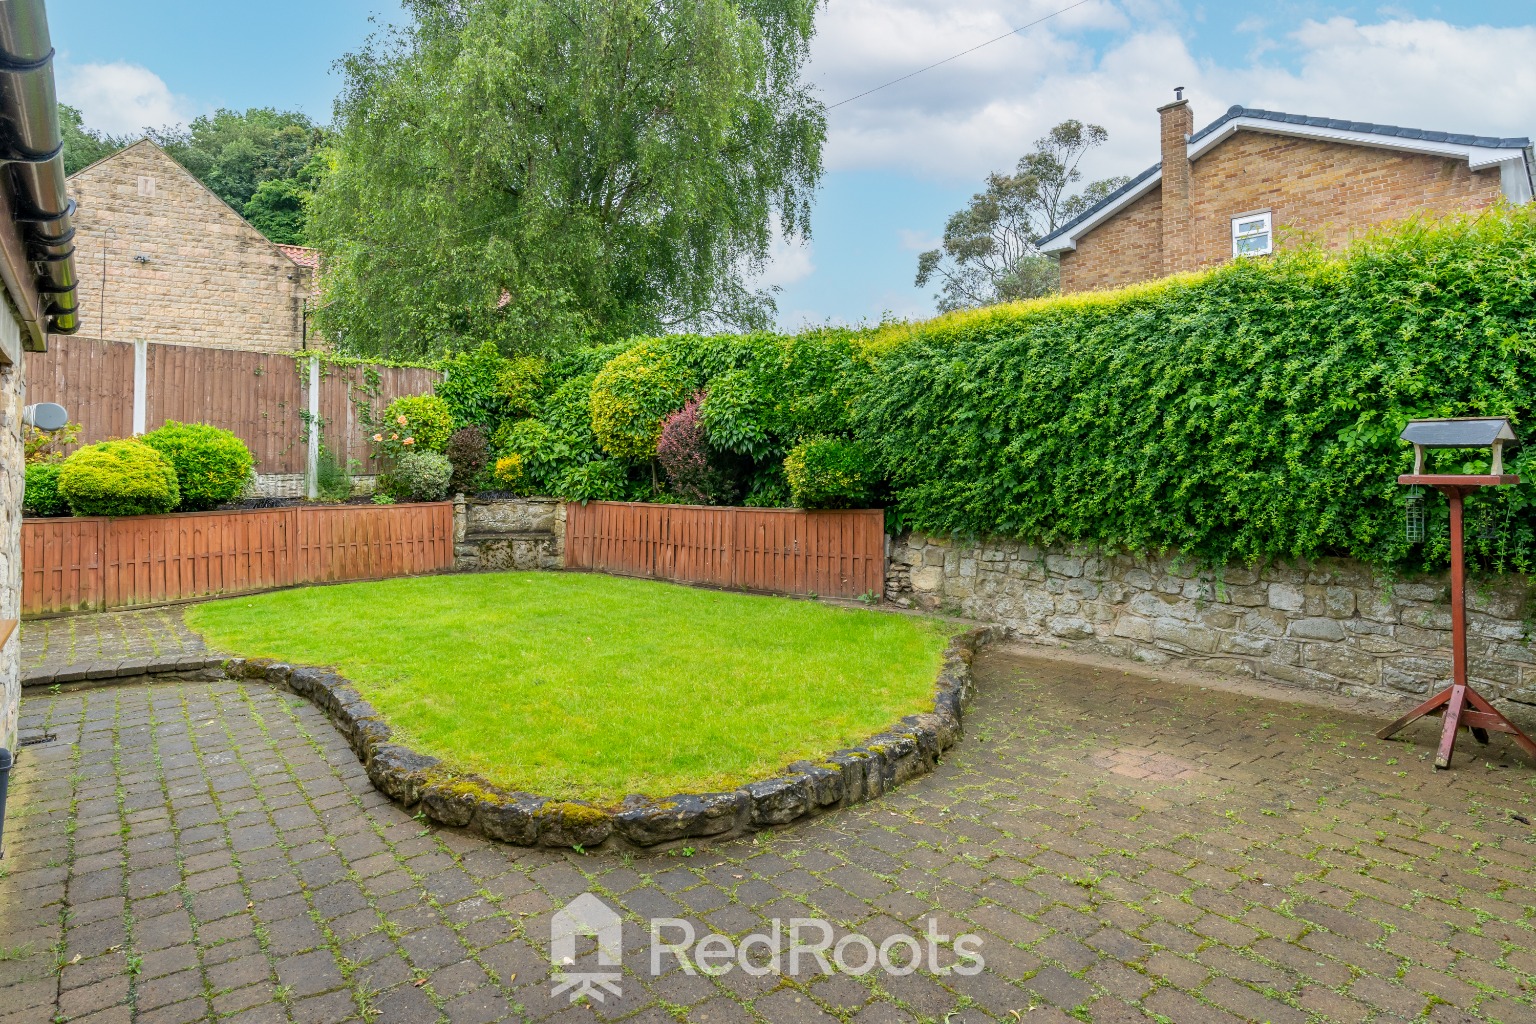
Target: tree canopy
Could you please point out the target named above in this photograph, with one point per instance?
(82, 145)
(543, 174)
(988, 254)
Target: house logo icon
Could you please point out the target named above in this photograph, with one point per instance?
(589, 916)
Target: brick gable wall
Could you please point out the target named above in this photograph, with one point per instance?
(1328, 190)
(211, 279)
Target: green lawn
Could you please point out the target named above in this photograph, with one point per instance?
(584, 686)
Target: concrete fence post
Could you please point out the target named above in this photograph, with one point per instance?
(312, 462)
(140, 386)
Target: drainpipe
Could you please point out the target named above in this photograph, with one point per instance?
(6, 761)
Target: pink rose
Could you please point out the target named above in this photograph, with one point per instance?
(378, 437)
(400, 419)
(409, 440)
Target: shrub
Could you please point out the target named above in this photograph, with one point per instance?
(333, 479)
(694, 470)
(603, 480)
(829, 472)
(468, 452)
(520, 383)
(41, 493)
(632, 393)
(420, 476)
(42, 446)
(212, 465)
(471, 387)
(118, 478)
(509, 472)
(415, 423)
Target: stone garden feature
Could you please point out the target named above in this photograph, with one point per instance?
(1459, 703)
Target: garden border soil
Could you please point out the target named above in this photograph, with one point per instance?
(804, 789)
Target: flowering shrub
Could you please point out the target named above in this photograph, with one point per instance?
(413, 424)
(691, 465)
(509, 472)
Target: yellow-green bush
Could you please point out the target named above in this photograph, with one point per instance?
(632, 393)
(118, 478)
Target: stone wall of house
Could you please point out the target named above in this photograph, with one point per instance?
(508, 533)
(1334, 625)
(1329, 191)
(163, 259)
(12, 476)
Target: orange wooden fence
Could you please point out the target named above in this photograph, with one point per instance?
(262, 396)
(97, 563)
(782, 550)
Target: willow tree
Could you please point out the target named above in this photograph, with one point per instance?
(547, 173)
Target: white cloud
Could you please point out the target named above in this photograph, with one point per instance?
(788, 262)
(918, 241)
(983, 111)
(121, 98)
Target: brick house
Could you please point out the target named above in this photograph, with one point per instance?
(164, 259)
(1229, 189)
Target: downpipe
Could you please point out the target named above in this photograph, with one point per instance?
(6, 761)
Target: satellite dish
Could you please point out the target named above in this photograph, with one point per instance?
(46, 416)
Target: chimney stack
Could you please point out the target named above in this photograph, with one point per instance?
(1178, 124)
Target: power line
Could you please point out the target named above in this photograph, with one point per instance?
(962, 53)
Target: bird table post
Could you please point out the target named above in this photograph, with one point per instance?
(1459, 703)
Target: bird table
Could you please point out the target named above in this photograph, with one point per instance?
(1459, 703)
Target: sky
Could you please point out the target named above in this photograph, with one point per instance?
(901, 160)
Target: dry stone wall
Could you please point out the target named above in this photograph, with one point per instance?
(1333, 625)
(508, 533)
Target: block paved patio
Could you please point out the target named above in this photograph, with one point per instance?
(1127, 848)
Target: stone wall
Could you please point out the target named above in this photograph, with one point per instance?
(163, 259)
(12, 475)
(508, 533)
(1334, 625)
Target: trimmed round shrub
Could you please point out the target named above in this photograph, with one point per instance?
(212, 465)
(118, 478)
(41, 494)
(468, 452)
(630, 396)
(425, 419)
(420, 476)
(829, 472)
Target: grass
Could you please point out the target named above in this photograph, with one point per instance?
(593, 687)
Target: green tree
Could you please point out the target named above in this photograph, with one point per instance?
(988, 254)
(543, 174)
(234, 152)
(279, 208)
(82, 146)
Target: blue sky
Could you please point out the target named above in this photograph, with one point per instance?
(902, 160)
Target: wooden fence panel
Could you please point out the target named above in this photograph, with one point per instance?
(92, 379)
(787, 551)
(256, 395)
(262, 397)
(99, 563)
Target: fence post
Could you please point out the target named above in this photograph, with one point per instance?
(140, 386)
(312, 462)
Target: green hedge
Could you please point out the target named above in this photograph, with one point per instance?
(1245, 413)
(118, 478)
(213, 466)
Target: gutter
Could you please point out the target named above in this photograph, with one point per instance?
(32, 150)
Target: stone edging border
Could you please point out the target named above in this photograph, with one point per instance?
(805, 789)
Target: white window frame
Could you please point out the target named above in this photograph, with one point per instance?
(1269, 233)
